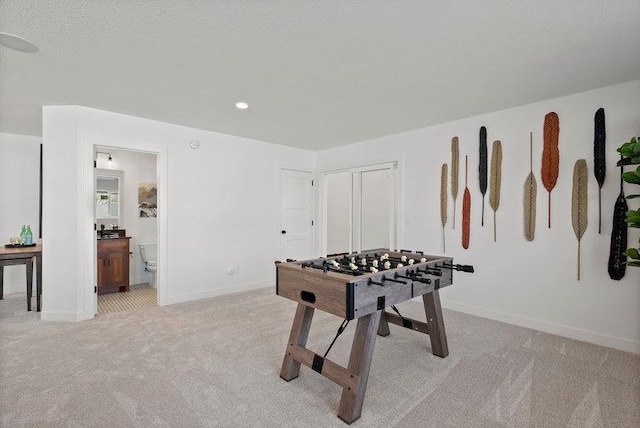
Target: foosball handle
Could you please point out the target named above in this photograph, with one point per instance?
(465, 268)
(459, 268)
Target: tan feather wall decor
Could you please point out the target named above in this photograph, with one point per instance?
(455, 159)
(466, 209)
(550, 155)
(443, 201)
(530, 197)
(579, 202)
(495, 182)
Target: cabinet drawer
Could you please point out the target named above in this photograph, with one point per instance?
(113, 245)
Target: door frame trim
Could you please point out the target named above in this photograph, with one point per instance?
(87, 235)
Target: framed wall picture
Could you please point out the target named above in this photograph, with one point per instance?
(148, 199)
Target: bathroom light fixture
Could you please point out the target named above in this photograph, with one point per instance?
(17, 43)
(102, 153)
(241, 105)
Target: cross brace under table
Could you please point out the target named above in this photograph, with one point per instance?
(353, 379)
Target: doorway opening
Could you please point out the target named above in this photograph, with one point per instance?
(360, 209)
(126, 236)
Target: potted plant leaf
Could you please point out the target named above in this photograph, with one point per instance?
(630, 155)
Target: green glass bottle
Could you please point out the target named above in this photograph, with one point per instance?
(23, 234)
(29, 236)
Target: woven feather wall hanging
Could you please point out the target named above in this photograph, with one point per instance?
(496, 182)
(455, 159)
(617, 260)
(443, 201)
(530, 197)
(550, 155)
(599, 158)
(482, 166)
(579, 203)
(466, 209)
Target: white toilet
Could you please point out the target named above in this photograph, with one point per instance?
(149, 254)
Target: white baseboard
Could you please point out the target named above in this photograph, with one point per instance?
(219, 292)
(61, 316)
(13, 288)
(547, 327)
(140, 279)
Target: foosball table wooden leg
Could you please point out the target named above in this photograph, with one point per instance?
(359, 363)
(438, 336)
(299, 333)
(383, 328)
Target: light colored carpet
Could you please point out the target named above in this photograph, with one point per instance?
(138, 296)
(216, 363)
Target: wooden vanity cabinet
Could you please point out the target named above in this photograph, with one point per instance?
(113, 265)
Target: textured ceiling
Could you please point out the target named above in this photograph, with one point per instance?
(317, 74)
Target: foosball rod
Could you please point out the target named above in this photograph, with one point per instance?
(345, 262)
(358, 267)
(460, 268)
(369, 261)
(328, 267)
(413, 277)
(427, 270)
(384, 279)
(399, 260)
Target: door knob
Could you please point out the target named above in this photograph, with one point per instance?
(283, 232)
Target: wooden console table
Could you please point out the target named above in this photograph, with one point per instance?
(23, 256)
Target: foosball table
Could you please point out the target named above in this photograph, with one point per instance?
(361, 286)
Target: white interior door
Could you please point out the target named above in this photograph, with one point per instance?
(338, 212)
(376, 212)
(296, 204)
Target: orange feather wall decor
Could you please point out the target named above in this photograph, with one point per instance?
(550, 155)
(466, 209)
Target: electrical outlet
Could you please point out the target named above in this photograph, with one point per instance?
(407, 222)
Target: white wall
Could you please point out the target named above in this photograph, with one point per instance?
(19, 187)
(138, 168)
(528, 283)
(219, 206)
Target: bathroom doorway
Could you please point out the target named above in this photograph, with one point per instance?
(125, 212)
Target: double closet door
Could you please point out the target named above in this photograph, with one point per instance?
(361, 209)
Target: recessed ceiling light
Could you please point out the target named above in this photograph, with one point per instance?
(17, 43)
(241, 105)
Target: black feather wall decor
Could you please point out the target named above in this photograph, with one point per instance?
(599, 160)
(617, 260)
(482, 167)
